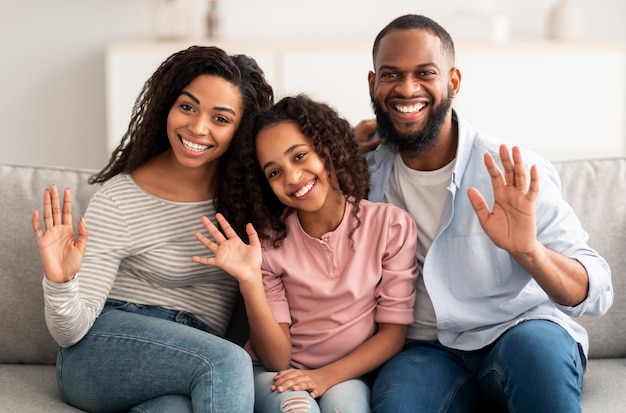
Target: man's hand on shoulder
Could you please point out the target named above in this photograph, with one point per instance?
(363, 131)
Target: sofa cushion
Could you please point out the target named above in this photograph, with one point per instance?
(596, 190)
(25, 337)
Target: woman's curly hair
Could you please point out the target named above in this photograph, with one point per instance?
(333, 140)
(146, 136)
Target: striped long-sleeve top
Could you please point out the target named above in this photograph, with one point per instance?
(139, 250)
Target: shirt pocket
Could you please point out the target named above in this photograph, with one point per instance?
(476, 267)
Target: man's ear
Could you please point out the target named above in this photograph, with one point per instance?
(454, 81)
(371, 79)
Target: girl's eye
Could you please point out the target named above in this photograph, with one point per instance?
(221, 119)
(272, 173)
(299, 156)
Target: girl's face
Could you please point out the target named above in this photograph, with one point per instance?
(203, 120)
(294, 170)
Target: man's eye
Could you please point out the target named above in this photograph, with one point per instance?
(388, 75)
(427, 73)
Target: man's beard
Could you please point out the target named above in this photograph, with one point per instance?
(413, 143)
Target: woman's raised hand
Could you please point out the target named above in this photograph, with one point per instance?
(61, 252)
(241, 260)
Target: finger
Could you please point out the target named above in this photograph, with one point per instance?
(203, 260)
(55, 204)
(507, 164)
(83, 234)
(206, 241)
(67, 207)
(213, 230)
(253, 236)
(520, 170)
(533, 190)
(367, 146)
(35, 222)
(226, 227)
(497, 180)
(479, 204)
(47, 210)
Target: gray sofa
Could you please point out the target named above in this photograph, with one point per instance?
(596, 189)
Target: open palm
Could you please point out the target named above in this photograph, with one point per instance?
(511, 224)
(60, 251)
(241, 260)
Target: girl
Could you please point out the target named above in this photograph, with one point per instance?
(331, 292)
(138, 322)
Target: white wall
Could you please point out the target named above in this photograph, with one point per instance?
(52, 91)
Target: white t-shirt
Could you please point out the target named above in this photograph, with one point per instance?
(423, 194)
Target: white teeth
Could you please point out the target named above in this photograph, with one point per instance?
(194, 146)
(302, 191)
(410, 109)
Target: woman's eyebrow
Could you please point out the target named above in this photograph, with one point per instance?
(195, 99)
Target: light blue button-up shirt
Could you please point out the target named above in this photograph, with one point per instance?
(477, 289)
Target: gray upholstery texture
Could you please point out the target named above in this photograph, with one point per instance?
(596, 189)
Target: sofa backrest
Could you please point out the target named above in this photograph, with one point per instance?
(25, 337)
(596, 190)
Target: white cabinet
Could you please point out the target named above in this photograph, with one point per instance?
(562, 100)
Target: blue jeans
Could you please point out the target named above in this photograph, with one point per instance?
(534, 367)
(351, 396)
(150, 359)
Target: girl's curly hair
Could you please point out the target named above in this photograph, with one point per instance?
(333, 140)
(146, 136)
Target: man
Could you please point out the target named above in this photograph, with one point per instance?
(492, 329)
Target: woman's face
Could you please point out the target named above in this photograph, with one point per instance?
(203, 120)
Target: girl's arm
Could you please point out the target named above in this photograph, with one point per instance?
(270, 341)
(370, 355)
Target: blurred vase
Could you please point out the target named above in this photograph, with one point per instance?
(566, 21)
(170, 19)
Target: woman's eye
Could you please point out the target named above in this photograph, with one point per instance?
(186, 107)
(221, 119)
(299, 156)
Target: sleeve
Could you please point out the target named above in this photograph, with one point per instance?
(71, 308)
(396, 292)
(275, 293)
(559, 229)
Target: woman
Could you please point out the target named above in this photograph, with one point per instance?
(138, 322)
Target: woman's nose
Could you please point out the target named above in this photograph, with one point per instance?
(200, 125)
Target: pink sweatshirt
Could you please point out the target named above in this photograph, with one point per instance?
(333, 292)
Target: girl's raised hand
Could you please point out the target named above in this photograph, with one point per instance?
(61, 252)
(241, 260)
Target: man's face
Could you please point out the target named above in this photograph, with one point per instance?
(412, 89)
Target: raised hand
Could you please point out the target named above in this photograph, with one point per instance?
(241, 260)
(511, 224)
(61, 252)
